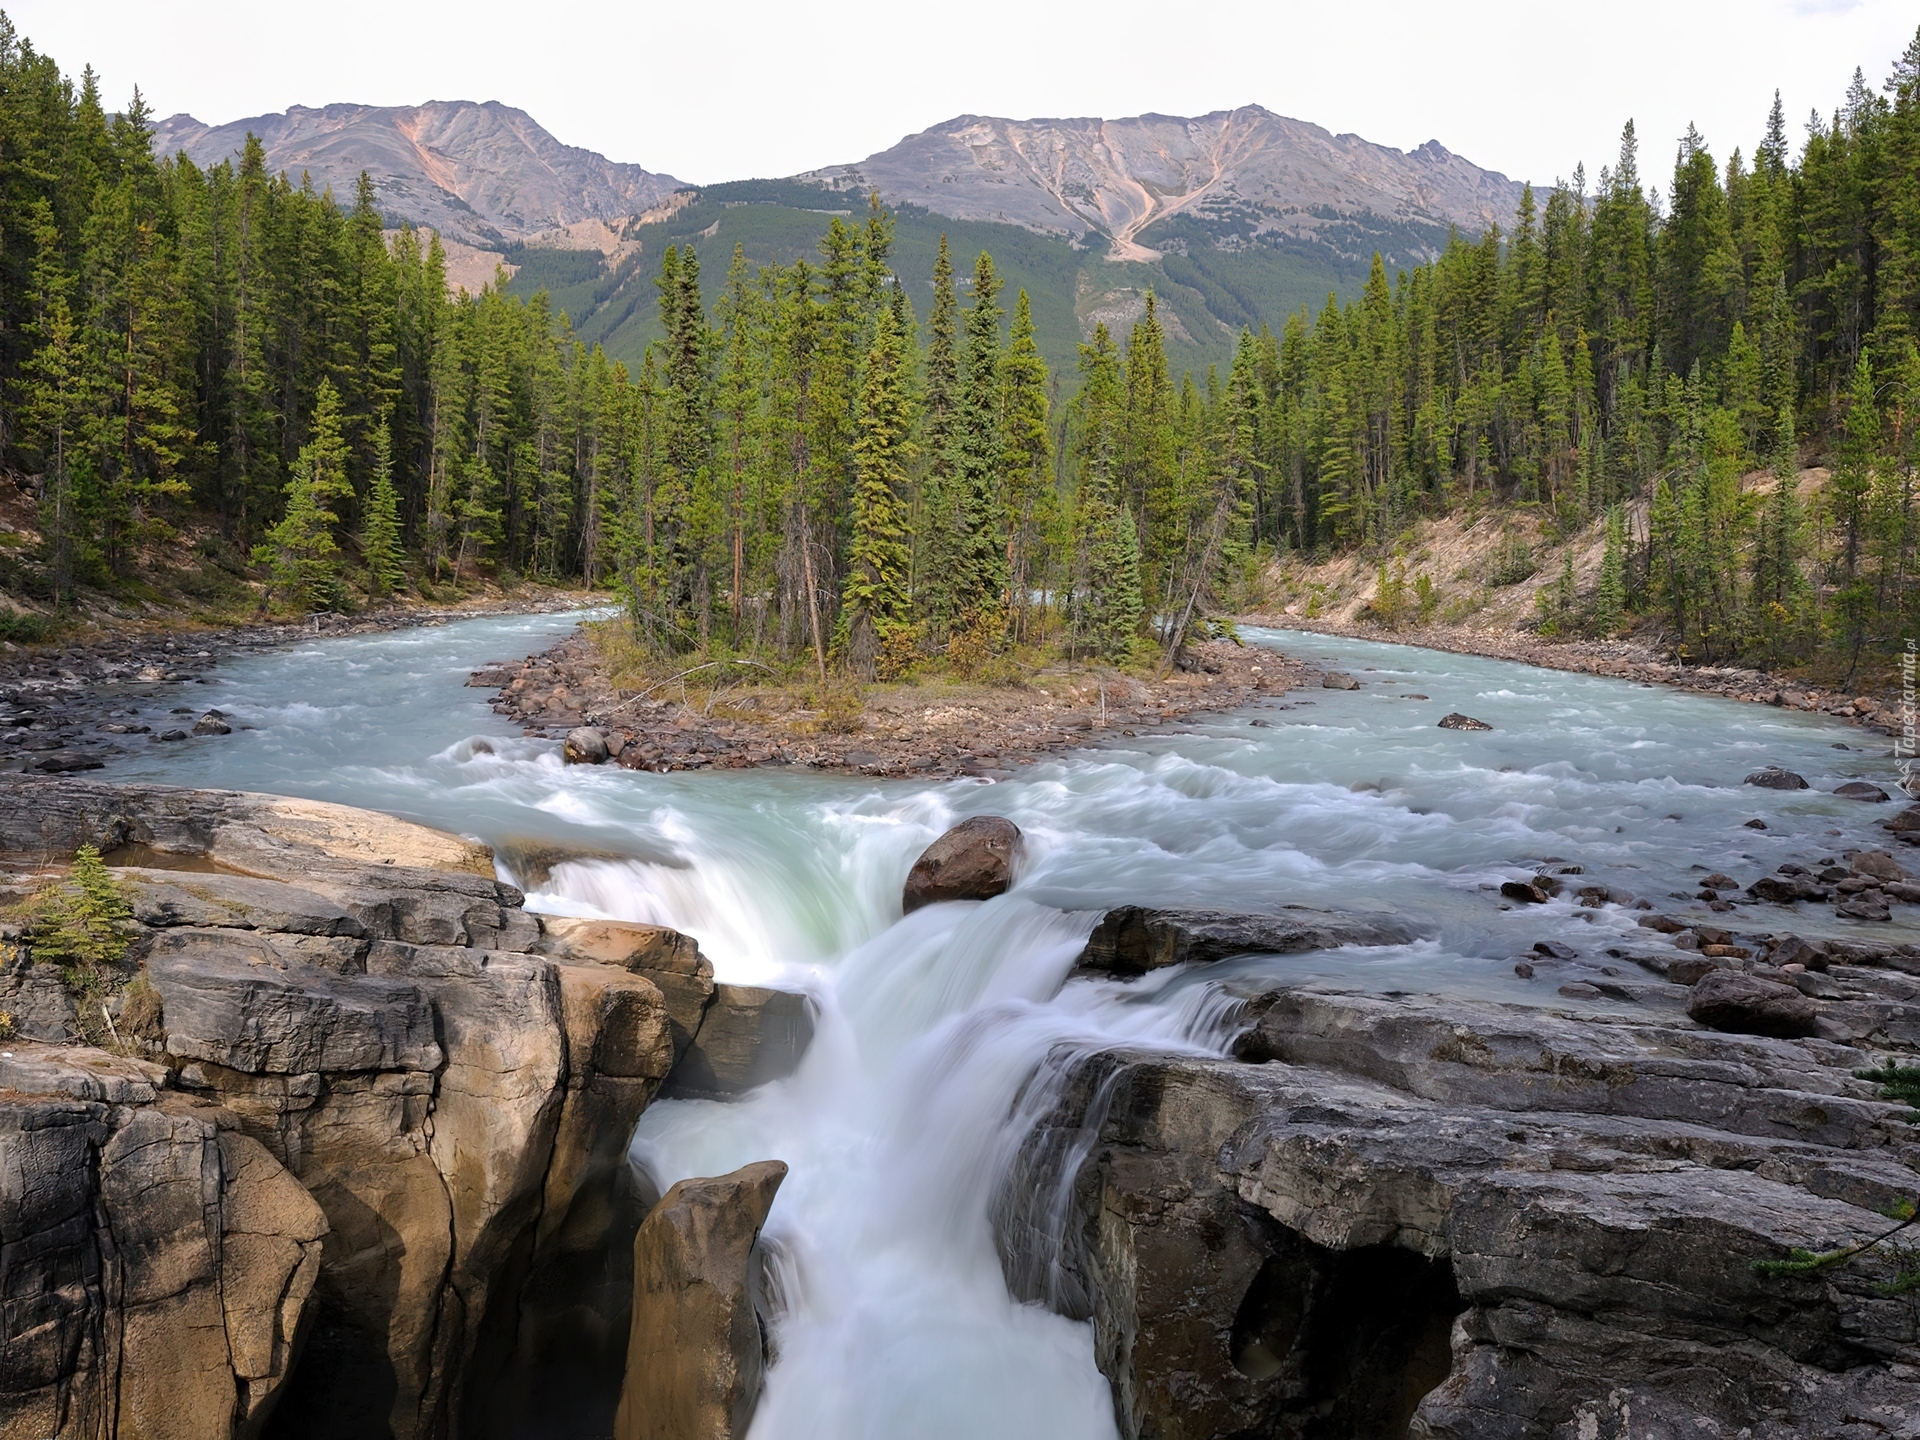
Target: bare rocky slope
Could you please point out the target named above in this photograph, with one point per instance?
(483, 174)
(1245, 174)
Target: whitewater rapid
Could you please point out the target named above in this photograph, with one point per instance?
(938, 1033)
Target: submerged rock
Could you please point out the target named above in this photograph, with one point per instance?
(1862, 790)
(972, 861)
(1132, 939)
(1457, 721)
(695, 1353)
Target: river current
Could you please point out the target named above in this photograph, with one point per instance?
(920, 1083)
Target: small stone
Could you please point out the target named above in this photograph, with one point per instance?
(1717, 881)
(1756, 824)
(1457, 721)
(170, 735)
(1524, 892)
(1774, 778)
(1554, 950)
(1577, 990)
(212, 723)
(1338, 680)
(1523, 970)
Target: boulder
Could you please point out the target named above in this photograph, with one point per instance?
(214, 722)
(747, 1036)
(972, 861)
(584, 745)
(1862, 790)
(1774, 778)
(1131, 940)
(1877, 865)
(1526, 892)
(1457, 721)
(695, 1353)
(1746, 1005)
(1907, 822)
(1338, 680)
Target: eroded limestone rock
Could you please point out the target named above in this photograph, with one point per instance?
(696, 1355)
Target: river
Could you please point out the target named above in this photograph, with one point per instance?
(937, 1032)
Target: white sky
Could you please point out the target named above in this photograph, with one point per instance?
(708, 90)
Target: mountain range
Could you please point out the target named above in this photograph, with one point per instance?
(1238, 217)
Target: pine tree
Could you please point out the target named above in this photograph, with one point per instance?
(380, 549)
(938, 580)
(1026, 461)
(876, 588)
(981, 564)
(1610, 601)
(301, 549)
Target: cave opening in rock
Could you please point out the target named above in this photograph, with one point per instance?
(1345, 1342)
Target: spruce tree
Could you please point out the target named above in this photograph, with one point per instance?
(875, 596)
(380, 550)
(981, 565)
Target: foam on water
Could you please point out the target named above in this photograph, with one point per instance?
(941, 1033)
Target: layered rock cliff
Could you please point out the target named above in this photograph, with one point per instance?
(365, 1171)
(1402, 1215)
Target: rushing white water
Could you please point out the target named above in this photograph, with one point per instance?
(917, 1088)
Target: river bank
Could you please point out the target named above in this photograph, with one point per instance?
(936, 727)
(1615, 659)
(74, 706)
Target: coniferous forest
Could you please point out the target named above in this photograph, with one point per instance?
(839, 467)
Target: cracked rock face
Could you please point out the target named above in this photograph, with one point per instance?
(386, 1136)
(1399, 1215)
(159, 1265)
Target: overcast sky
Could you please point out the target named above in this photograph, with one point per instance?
(708, 90)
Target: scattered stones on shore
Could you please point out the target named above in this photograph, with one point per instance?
(1457, 721)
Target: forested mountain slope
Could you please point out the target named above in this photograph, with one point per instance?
(853, 448)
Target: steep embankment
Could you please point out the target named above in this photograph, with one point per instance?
(1498, 578)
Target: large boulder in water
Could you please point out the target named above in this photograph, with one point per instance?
(972, 861)
(695, 1357)
(1774, 778)
(584, 745)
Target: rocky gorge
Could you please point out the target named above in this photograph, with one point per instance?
(1320, 1071)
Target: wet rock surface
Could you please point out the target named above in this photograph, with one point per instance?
(1482, 1219)
(697, 1352)
(1132, 939)
(972, 861)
